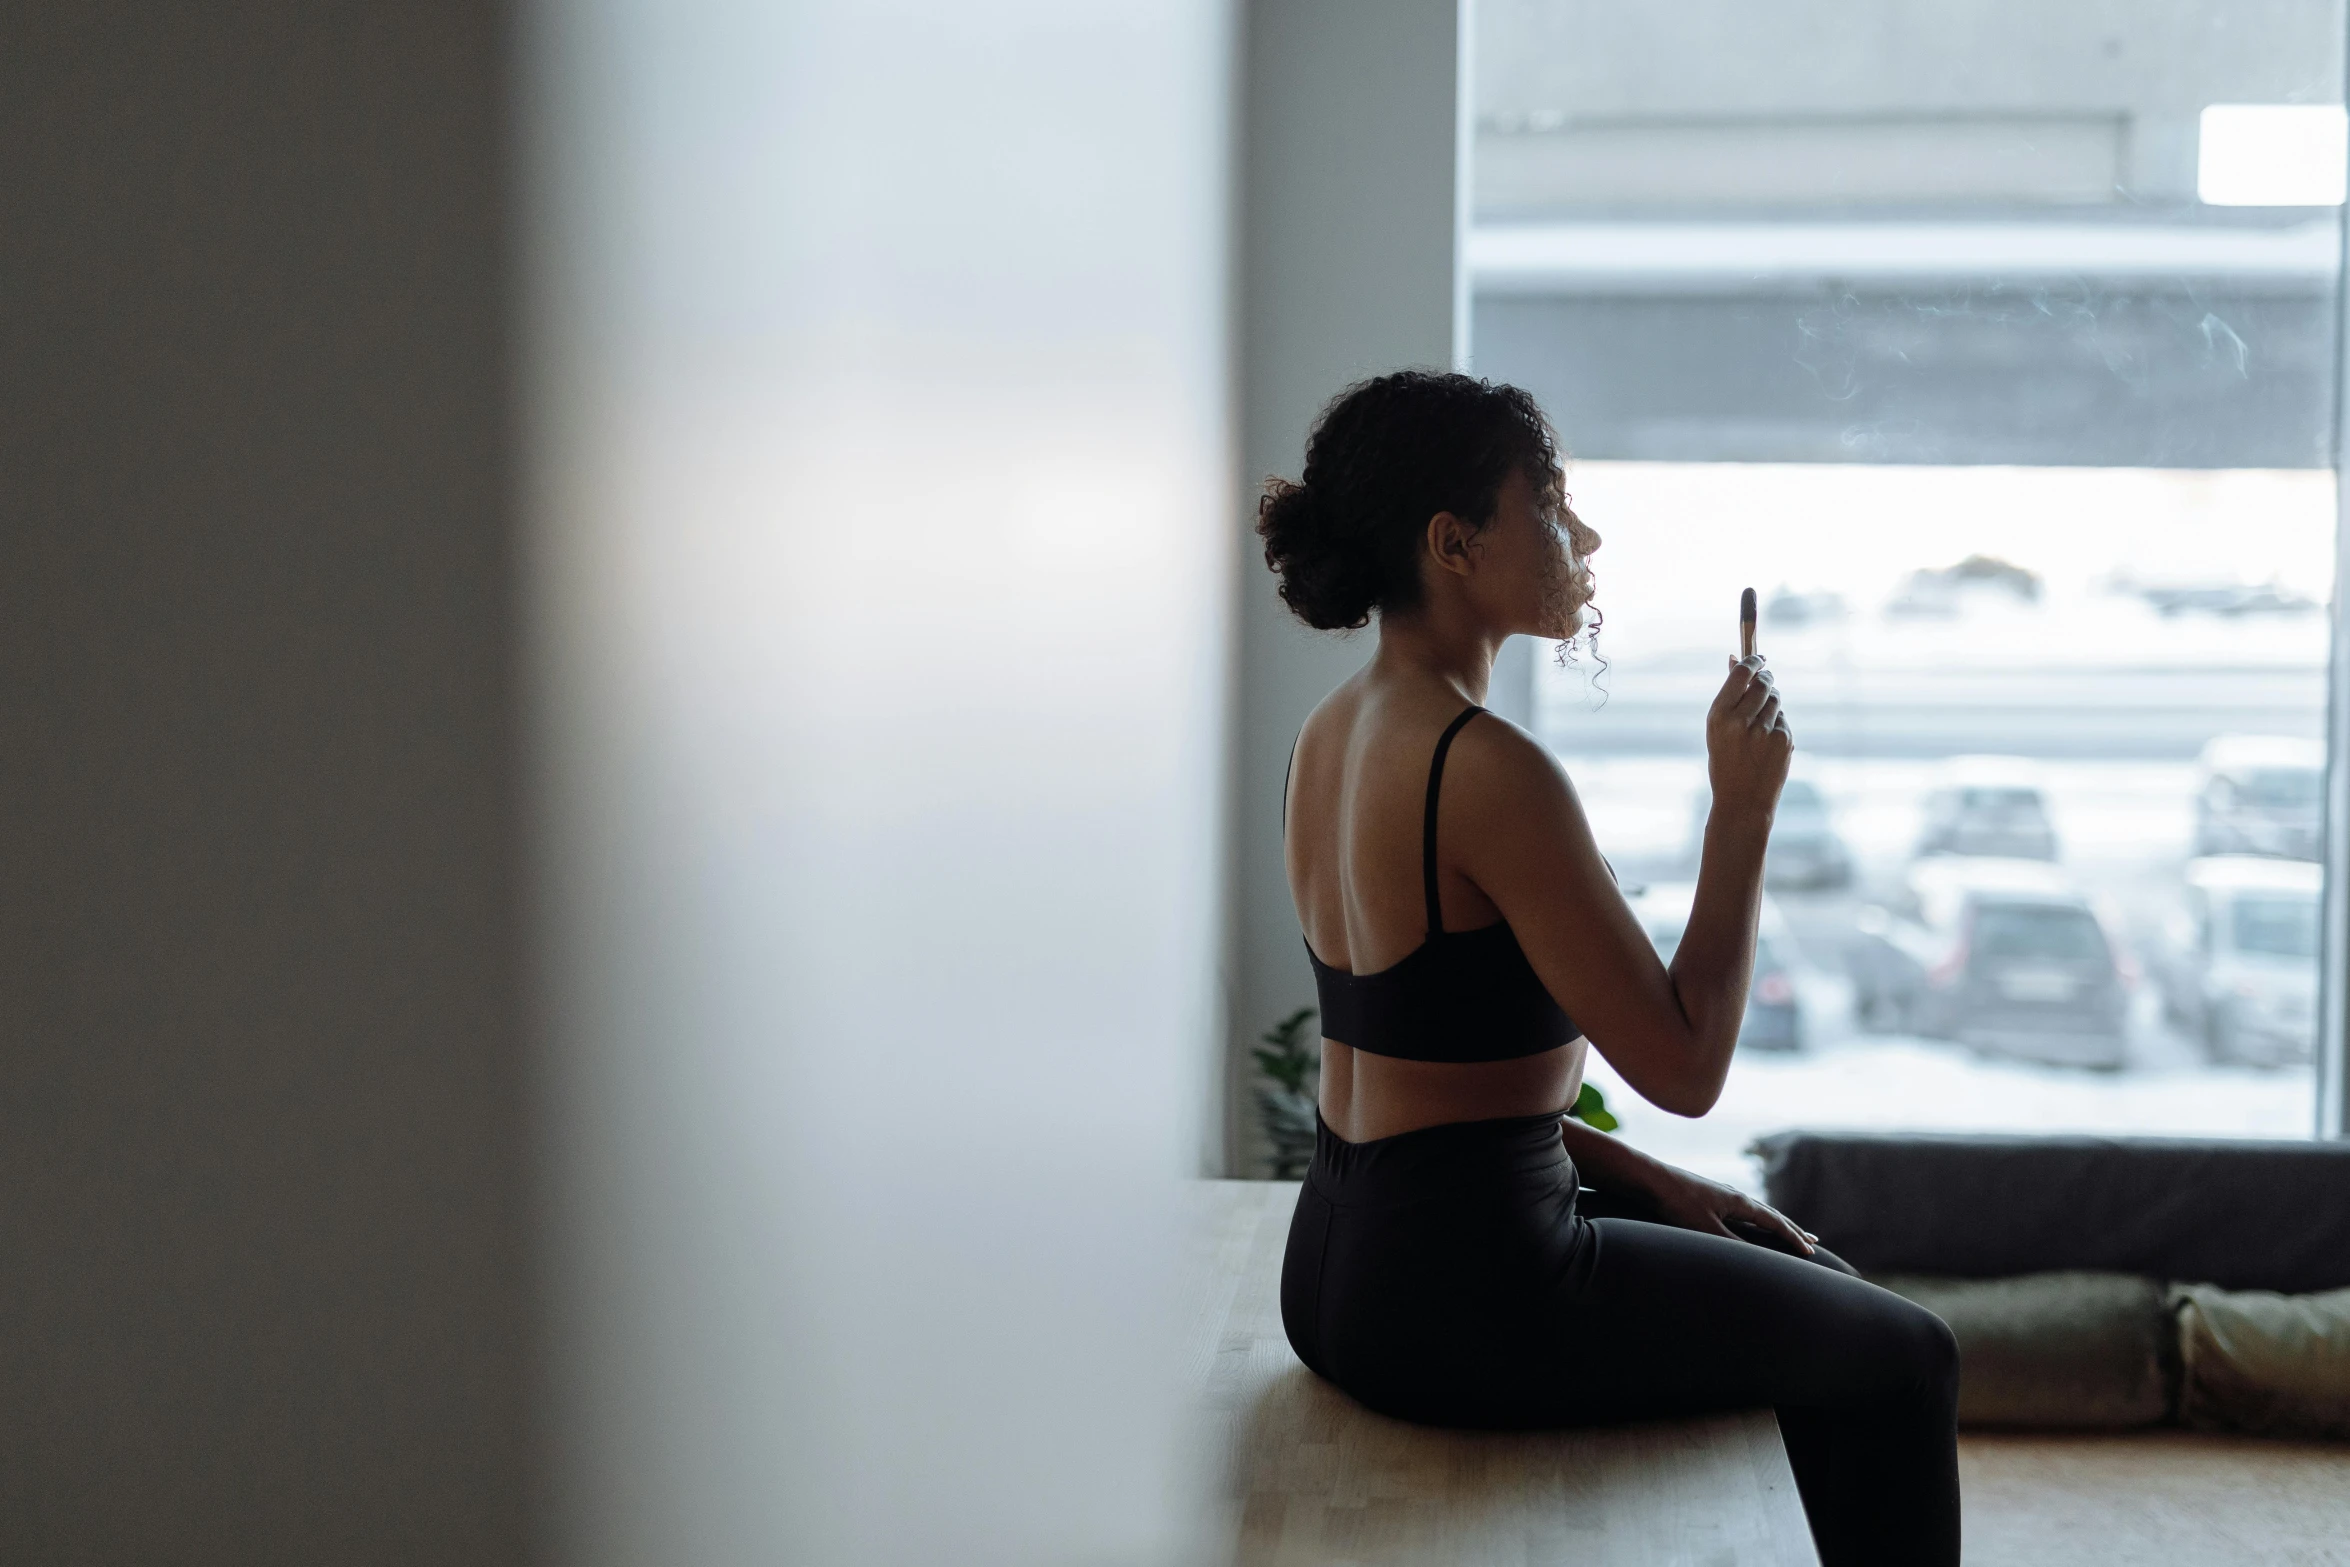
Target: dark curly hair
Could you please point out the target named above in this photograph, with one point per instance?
(1386, 455)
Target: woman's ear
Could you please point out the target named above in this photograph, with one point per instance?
(1451, 544)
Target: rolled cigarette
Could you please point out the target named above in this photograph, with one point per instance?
(1746, 624)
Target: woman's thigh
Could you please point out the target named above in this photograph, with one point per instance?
(1677, 1322)
(1620, 1203)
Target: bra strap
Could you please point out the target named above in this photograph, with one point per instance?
(1428, 833)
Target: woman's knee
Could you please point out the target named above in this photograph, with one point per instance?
(1945, 1355)
(1931, 1353)
(1896, 1349)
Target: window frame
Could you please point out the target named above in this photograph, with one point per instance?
(2333, 975)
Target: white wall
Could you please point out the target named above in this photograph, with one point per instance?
(881, 480)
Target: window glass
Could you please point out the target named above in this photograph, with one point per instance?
(2276, 927)
(2059, 935)
(2279, 789)
(1994, 345)
(1802, 798)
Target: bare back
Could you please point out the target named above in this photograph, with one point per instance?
(1357, 796)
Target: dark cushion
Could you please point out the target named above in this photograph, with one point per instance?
(2239, 1214)
(2081, 1351)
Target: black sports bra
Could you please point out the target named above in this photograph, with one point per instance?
(1461, 996)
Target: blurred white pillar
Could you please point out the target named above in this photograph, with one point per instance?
(881, 570)
(1354, 157)
(2333, 1012)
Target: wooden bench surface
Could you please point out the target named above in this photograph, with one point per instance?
(1315, 1479)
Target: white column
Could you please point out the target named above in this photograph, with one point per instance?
(881, 472)
(2333, 1015)
(1353, 159)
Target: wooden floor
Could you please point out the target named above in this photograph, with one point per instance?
(2171, 1498)
(1312, 1478)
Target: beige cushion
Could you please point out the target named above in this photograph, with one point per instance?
(2080, 1351)
(2273, 1365)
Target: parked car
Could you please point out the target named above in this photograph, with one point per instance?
(2259, 794)
(1805, 850)
(1774, 1013)
(1789, 607)
(2005, 956)
(1991, 806)
(2227, 598)
(1945, 591)
(2241, 972)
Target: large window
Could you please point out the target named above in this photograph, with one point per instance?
(1994, 344)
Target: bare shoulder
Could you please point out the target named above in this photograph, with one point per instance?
(1513, 827)
(1507, 798)
(1318, 757)
(1499, 763)
(1334, 716)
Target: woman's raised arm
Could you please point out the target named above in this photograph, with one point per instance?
(1519, 833)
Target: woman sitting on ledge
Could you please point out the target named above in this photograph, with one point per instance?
(1470, 946)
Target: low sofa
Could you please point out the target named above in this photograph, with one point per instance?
(2103, 1282)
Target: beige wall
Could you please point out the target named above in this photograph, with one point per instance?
(263, 1138)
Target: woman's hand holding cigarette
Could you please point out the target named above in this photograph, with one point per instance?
(1747, 742)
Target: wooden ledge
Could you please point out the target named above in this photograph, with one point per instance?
(1313, 1478)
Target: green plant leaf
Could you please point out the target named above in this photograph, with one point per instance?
(1289, 1074)
(1288, 1034)
(1591, 1109)
(1287, 1059)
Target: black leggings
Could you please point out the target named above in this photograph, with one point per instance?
(1452, 1277)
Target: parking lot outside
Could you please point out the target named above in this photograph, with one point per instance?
(2128, 826)
(2116, 713)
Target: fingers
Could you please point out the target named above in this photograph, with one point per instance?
(1772, 1222)
(1749, 699)
(1759, 690)
(1735, 686)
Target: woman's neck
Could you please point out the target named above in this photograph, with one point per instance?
(1416, 647)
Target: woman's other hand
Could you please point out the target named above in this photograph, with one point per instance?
(1747, 742)
(1695, 1203)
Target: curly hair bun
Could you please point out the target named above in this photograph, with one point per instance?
(1328, 581)
(1386, 456)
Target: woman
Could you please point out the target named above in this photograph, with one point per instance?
(1470, 946)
